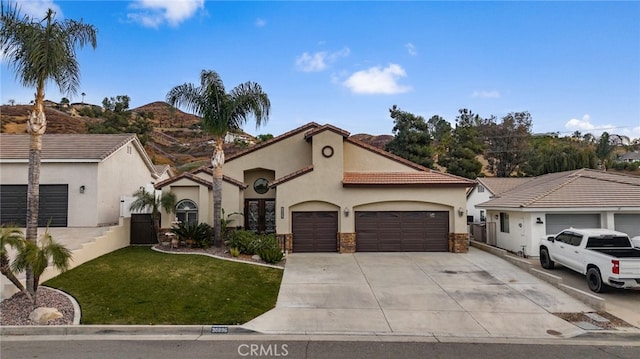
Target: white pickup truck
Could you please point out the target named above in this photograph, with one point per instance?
(605, 257)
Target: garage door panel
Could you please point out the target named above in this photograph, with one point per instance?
(315, 231)
(399, 231)
(628, 223)
(558, 222)
(53, 206)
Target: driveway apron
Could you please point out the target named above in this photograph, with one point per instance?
(467, 295)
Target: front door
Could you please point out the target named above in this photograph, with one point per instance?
(260, 215)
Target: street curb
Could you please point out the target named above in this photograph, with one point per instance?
(597, 303)
(197, 330)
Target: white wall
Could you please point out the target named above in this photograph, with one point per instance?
(476, 198)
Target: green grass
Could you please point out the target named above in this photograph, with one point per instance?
(136, 285)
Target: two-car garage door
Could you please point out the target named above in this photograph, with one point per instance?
(53, 206)
(402, 231)
(376, 231)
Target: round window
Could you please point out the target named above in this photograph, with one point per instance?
(261, 186)
(327, 151)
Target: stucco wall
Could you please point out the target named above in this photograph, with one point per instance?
(476, 198)
(122, 173)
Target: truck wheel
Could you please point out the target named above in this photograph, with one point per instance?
(594, 280)
(545, 260)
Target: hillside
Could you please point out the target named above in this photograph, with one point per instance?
(176, 138)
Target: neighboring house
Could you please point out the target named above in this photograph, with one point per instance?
(82, 177)
(629, 157)
(321, 191)
(550, 203)
(487, 188)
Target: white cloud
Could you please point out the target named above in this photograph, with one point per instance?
(486, 94)
(261, 22)
(411, 49)
(153, 13)
(38, 8)
(377, 80)
(585, 125)
(319, 61)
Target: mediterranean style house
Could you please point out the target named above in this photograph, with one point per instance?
(83, 178)
(321, 191)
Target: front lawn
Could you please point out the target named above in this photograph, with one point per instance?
(136, 285)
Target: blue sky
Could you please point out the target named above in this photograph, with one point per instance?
(572, 65)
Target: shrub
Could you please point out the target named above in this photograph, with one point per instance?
(243, 240)
(271, 254)
(197, 234)
(234, 251)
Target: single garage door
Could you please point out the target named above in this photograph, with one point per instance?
(315, 231)
(558, 222)
(627, 223)
(53, 208)
(402, 231)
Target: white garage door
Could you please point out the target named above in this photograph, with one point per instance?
(628, 223)
(558, 222)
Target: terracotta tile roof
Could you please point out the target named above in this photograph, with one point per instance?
(65, 147)
(497, 185)
(192, 176)
(419, 178)
(283, 136)
(291, 176)
(582, 188)
(327, 127)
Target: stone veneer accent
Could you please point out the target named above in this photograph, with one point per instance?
(287, 240)
(459, 242)
(347, 242)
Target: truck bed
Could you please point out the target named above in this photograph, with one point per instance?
(619, 252)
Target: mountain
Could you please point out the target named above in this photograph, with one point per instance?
(176, 138)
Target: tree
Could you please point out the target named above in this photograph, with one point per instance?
(264, 137)
(411, 140)
(549, 154)
(508, 142)
(149, 201)
(40, 51)
(221, 112)
(37, 258)
(466, 144)
(12, 102)
(119, 103)
(83, 95)
(441, 132)
(65, 102)
(11, 237)
(604, 149)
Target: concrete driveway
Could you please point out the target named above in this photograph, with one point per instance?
(436, 294)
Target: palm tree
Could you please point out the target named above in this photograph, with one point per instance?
(37, 257)
(148, 200)
(83, 95)
(40, 51)
(11, 237)
(221, 112)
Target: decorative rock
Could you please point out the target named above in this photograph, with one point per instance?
(255, 257)
(42, 315)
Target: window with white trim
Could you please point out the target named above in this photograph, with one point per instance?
(187, 211)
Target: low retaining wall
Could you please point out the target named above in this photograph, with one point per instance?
(116, 237)
(591, 300)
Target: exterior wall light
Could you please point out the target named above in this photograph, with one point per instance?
(346, 211)
(82, 188)
(539, 221)
(460, 212)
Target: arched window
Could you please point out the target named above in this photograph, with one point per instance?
(187, 211)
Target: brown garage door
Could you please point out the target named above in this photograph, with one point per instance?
(401, 231)
(315, 231)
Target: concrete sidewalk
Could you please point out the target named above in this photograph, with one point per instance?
(428, 294)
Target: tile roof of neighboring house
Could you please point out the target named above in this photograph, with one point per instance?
(582, 188)
(497, 185)
(630, 156)
(423, 178)
(64, 146)
(72, 148)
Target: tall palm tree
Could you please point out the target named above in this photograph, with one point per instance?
(221, 112)
(40, 51)
(148, 200)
